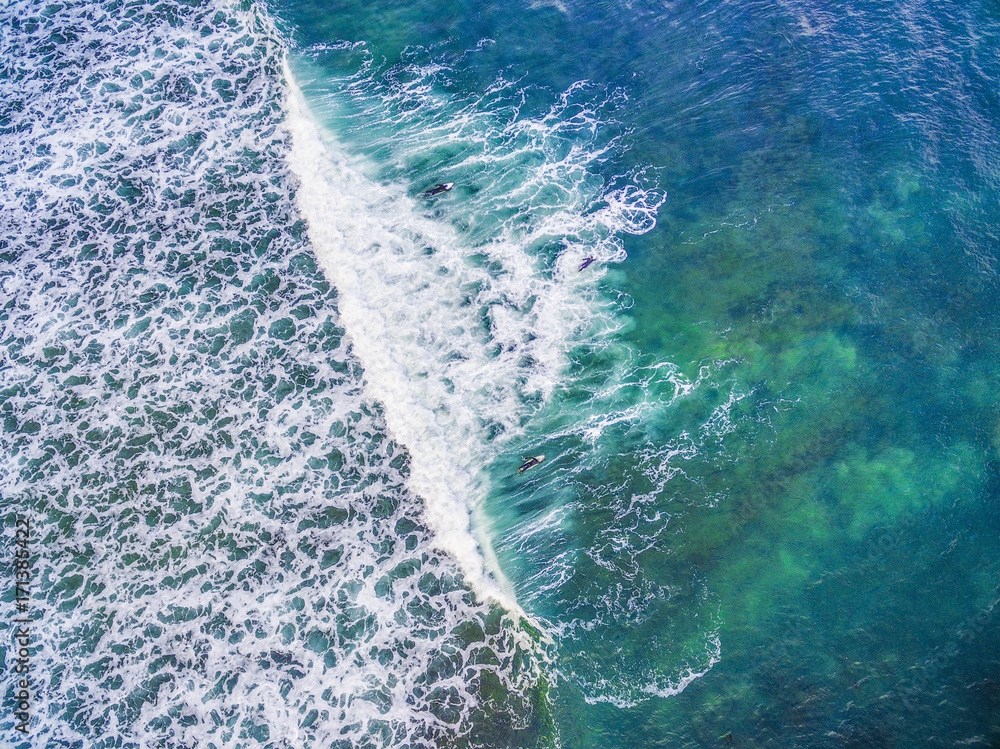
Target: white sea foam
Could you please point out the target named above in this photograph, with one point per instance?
(628, 692)
(423, 360)
(235, 542)
(467, 322)
(462, 333)
(226, 551)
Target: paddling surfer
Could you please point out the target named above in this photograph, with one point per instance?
(437, 189)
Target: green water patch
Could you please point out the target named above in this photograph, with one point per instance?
(830, 517)
(845, 436)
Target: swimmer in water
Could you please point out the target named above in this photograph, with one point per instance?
(531, 463)
(586, 261)
(437, 189)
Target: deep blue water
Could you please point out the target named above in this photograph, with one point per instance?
(263, 401)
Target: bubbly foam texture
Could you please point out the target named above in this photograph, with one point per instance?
(586, 535)
(474, 325)
(529, 205)
(227, 550)
(465, 317)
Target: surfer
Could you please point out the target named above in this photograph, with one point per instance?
(437, 189)
(586, 262)
(531, 463)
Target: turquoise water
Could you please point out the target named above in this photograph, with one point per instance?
(264, 403)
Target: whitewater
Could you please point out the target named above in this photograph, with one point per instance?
(256, 475)
(731, 268)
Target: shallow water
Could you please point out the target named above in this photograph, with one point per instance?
(264, 402)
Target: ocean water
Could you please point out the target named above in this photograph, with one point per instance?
(263, 401)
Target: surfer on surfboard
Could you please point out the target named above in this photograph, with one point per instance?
(437, 189)
(531, 463)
